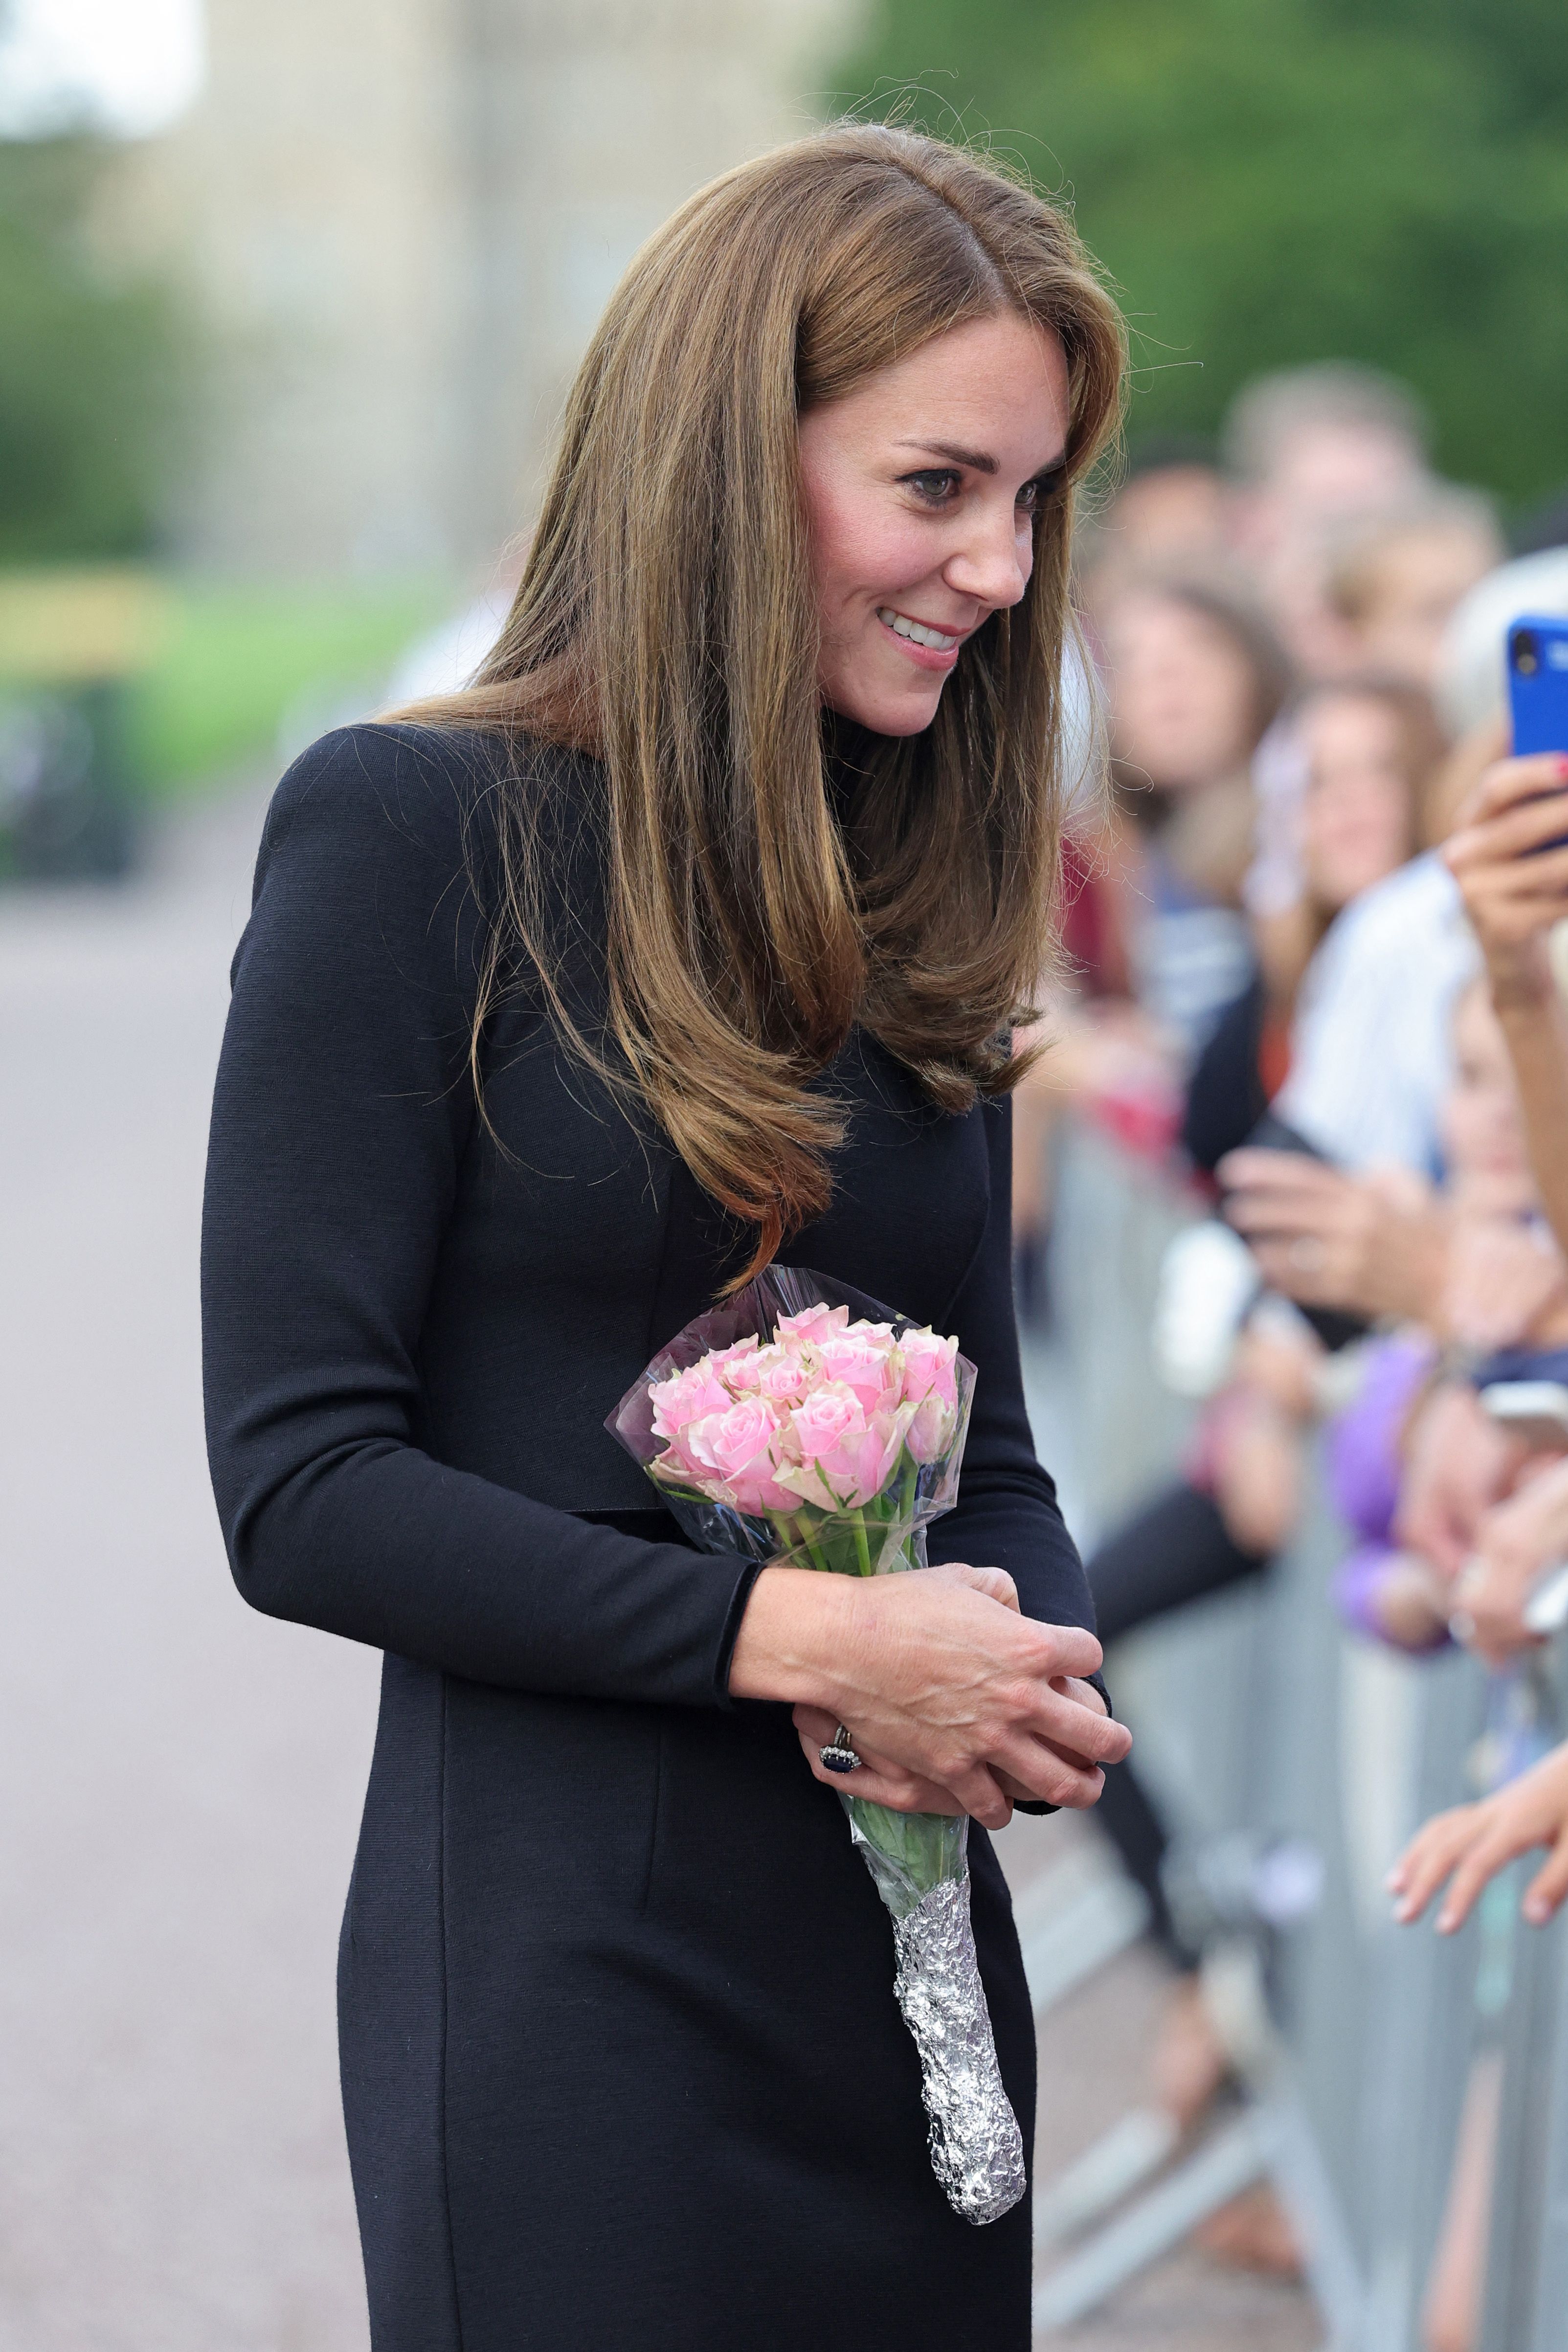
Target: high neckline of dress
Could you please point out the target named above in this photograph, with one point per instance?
(847, 749)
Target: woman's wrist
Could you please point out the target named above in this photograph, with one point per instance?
(1519, 976)
(797, 1624)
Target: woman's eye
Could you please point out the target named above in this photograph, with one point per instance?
(935, 486)
(1033, 495)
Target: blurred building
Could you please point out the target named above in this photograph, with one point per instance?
(401, 219)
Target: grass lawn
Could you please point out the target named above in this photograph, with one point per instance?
(239, 661)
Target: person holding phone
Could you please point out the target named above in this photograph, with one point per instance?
(1508, 853)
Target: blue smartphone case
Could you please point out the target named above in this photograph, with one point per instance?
(1538, 683)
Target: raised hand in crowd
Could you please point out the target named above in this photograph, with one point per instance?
(1503, 1285)
(1468, 1845)
(1458, 1463)
(1517, 1542)
(1373, 1244)
(1508, 853)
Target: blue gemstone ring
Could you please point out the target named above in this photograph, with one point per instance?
(839, 1755)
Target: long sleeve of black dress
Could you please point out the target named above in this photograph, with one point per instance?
(342, 1118)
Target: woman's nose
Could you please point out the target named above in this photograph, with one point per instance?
(994, 561)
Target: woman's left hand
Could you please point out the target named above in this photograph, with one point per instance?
(885, 1783)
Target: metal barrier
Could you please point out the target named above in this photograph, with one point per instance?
(1265, 1730)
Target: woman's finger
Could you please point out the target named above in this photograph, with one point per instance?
(1544, 1895)
(1063, 1650)
(1082, 1733)
(1508, 781)
(1481, 1864)
(884, 1782)
(1428, 1858)
(881, 1782)
(1049, 1774)
(1250, 1167)
(995, 1583)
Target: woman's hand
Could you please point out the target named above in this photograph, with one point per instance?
(1514, 887)
(1373, 1244)
(1458, 1463)
(1475, 1842)
(941, 1682)
(1503, 1285)
(1516, 1543)
(883, 1782)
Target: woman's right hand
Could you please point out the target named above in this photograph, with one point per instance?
(941, 1683)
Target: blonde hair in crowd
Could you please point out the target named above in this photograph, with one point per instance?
(665, 622)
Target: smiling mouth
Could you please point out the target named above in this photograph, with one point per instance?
(916, 632)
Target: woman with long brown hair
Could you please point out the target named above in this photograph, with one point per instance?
(693, 933)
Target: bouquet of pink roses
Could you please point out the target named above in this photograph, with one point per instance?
(779, 1427)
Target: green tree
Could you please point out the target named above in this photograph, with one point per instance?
(89, 368)
(1274, 181)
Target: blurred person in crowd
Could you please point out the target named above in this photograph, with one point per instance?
(1311, 451)
(1395, 581)
(1192, 676)
(1509, 861)
(1504, 1284)
(1371, 748)
(1169, 519)
(1371, 1058)
(1495, 1279)
(1471, 684)
(1496, 1547)
(520, 1075)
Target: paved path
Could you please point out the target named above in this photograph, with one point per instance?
(179, 1779)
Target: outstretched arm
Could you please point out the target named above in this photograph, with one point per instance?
(1470, 1845)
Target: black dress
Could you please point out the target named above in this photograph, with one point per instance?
(621, 2062)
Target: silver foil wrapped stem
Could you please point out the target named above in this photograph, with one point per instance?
(976, 2147)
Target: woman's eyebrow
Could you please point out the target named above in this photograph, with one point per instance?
(978, 458)
(975, 458)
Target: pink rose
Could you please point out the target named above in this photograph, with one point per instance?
(812, 1323)
(931, 1430)
(865, 1361)
(855, 1470)
(735, 1365)
(687, 1396)
(930, 1368)
(738, 1452)
(780, 1375)
(822, 1420)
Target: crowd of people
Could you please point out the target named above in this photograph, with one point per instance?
(1310, 969)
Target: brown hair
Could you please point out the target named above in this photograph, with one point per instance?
(665, 620)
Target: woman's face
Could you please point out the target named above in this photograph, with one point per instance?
(1356, 815)
(920, 490)
(1483, 1134)
(1182, 694)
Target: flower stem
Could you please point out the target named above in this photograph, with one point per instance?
(862, 1549)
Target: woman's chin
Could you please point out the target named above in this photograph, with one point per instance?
(889, 714)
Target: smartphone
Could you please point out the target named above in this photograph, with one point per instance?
(1538, 683)
(1535, 1411)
